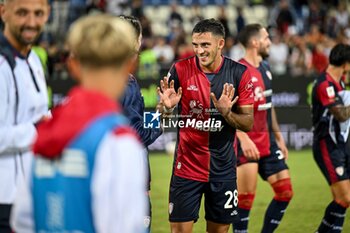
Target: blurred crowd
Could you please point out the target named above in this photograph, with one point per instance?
(302, 32)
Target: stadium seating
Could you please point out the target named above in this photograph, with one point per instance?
(159, 14)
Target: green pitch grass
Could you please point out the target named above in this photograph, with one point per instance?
(311, 196)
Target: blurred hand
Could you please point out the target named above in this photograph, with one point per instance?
(249, 148)
(282, 145)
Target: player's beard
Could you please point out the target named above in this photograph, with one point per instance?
(24, 41)
(264, 52)
(211, 58)
(208, 60)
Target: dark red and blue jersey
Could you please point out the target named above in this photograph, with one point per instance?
(260, 131)
(266, 74)
(324, 96)
(265, 71)
(205, 142)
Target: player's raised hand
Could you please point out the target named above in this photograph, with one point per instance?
(168, 96)
(226, 101)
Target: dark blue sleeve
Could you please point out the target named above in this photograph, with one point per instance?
(133, 108)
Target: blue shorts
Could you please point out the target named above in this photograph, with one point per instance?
(332, 159)
(221, 200)
(268, 165)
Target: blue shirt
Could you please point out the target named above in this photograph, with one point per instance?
(134, 108)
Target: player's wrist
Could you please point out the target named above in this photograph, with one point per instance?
(168, 110)
(226, 115)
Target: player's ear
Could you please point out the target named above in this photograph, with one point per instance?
(254, 42)
(3, 12)
(221, 43)
(346, 67)
(74, 67)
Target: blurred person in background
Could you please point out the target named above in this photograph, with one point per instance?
(222, 17)
(164, 52)
(148, 65)
(285, 17)
(330, 111)
(117, 7)
(23, 95)
(282, 16)
(300, 59)
(278, 55)
(237, 51)
(137, 8)
(262, 150)
(240, 21)
(196, 13)
(175, 18)
(317, 15)
(319, 59)
(76, 9)
(342, 15)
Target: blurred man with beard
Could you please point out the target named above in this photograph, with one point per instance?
(262, 150)
(23, 95)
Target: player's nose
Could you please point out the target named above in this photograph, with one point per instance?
(200, 50)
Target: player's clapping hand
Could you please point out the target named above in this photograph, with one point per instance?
(168, 96)
(226, 101)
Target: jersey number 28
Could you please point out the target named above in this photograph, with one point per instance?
(231, 195)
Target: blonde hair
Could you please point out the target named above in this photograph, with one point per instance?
(101, 40)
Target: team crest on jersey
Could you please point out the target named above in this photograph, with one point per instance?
(192, 104)
(340, 170)
(330, 92)
(178, 165)
(258, 94)
(254, 79)
(171, 207)
(196, 108)
(268, 74)
(249, 85)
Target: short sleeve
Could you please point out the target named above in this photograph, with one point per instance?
(245, 90)
(327, 95)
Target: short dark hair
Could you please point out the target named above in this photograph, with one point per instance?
(210, 25)
(135, 22)
(340, 54)
(248, 32)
